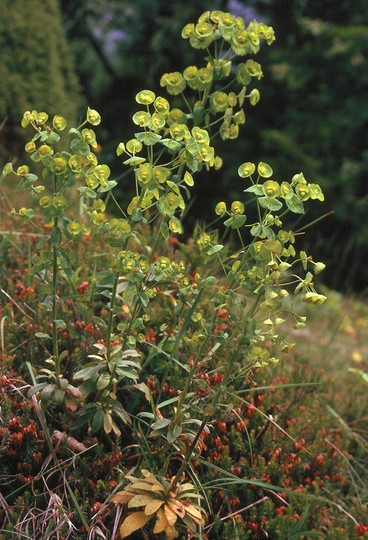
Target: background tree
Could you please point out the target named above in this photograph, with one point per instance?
(36, 67)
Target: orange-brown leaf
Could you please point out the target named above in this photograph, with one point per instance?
(132, 523)
(194, 513)
(171, 516)
(161, 522)
(139, 500)
(153, 506)
(171, 532)
(122, 497)
(177, 507)
(158, 488)
(142, 485)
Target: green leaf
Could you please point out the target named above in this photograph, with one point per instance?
(172, 145)
(134, 160)
(55, 237)
(304, 260)
(268, 232)
(47, 393)
(42, 335)
(107, 279)
(87, 373)
(100, 321)
(42, 243)
(52, 138)
(97, 421)
(215, 249)
(59, 396)
(103, 381)
(31, 177)
(78, 146)
(161, 423)
(59, 323)
(87, 192)
(271, 204)
(198, 115)
(120, 149)
(66, 263)
(257, 189)
(170, 436)
(74, 131)
(295, 204)
(235, 222)
(256, 230)
(164, 230)
(121, 413)
(148, 138)
(360, 373)
(84, 416)
(145, 389)
(177, 430)
(188, 179)
(34, 389)
(137, 216)
(274, 204)
(8, 169)
(110, 185)
(241, 96)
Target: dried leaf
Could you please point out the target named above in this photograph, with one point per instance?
(140, 484)
(151, 478)
(170, 515)
(115, 429)
(153, 506)
(144, 388)
(193, 512)
(177, 507)
(158, 488)
(186, 487)
(71, 442)
(107, 423)
(71, 403)
(161, 522)
(171, 533)
(122, 497)
(133, 522)
(139, 500)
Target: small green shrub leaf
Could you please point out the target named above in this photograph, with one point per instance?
(160, 424)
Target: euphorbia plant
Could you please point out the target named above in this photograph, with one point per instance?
(215, 315)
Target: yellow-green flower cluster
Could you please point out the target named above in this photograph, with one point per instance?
(79, 163)
(270, 192)
(214, 25)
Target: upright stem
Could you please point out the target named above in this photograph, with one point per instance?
(55, 279)
(55, 345)
(188, 455)
(111, 317)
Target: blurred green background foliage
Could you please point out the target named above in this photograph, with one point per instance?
(312, 117)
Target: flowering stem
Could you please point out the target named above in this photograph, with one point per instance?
(55, 345)
(193, 444)
(111, 317)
